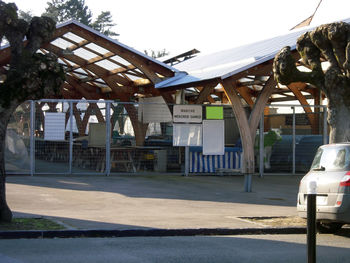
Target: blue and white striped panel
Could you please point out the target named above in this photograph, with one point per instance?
(200, 163)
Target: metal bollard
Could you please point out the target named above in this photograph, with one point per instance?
(247, 183)
(311, 222)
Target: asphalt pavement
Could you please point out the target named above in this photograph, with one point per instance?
(161, 218)
(201, 249)
(152, 201)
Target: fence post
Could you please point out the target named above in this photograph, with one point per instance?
(108, 138)
(187, 160)
(293, 170)
(261, 146)
(70, 136)
(32, 141)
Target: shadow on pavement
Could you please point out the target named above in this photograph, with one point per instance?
(170, 249)
(70, 223)
(270, 190)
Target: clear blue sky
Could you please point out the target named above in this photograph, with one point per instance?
(209, 26)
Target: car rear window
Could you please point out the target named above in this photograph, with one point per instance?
(331, 158)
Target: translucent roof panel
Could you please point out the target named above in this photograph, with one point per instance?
(131, 77)
(100, 81)
(139, 72)
(74, 37)
(83, 53)
(97, 48)
(61, 43)
(120, 60)
(107, 64)
(80, 70)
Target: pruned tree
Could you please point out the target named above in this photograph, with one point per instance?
(28, 76)
(325, 51)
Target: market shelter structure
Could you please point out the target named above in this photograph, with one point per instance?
(98, 67)
(243, 77)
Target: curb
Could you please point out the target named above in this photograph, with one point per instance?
(149, 232)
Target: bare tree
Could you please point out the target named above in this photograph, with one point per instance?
(29, 74)
(327, 43)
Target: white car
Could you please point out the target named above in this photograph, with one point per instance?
(331, 170)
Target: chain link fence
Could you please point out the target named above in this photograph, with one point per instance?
(109, 137)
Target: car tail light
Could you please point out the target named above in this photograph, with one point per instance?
(345, 181)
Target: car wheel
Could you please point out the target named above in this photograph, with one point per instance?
(328, 228)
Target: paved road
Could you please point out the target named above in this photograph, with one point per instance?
(151, 201)
(221, 249)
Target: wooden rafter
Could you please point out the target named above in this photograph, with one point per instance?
(205, 93)
(294, 87)
(245, 94)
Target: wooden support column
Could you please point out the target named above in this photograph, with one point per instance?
(260, 104)
(140, 129)
(97, 112)
(243, 125)
(78, 121)
(247, 128)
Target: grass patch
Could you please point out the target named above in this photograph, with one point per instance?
(30, 224)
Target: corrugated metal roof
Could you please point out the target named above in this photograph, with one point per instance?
(230, 62)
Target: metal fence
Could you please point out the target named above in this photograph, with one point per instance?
(108, 137)
(88, 137)
(288, 138)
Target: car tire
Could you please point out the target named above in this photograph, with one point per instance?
(328, 228)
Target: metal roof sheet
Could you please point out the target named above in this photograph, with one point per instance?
(227, 63)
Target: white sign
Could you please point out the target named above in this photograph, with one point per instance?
(187, 113)
(54, 126)
(213, 137)
(153, 110)
(187, 134)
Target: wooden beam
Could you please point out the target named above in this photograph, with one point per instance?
(100, 71)
(148, 67)
(76, 113)
(246, 95)
(79, 87)
(205, 93)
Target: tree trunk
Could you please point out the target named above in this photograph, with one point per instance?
(5, 212)
(339, 121)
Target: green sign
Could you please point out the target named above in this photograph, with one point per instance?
(214, 113)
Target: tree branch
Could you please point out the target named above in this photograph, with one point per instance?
(286, 72)
(40, 31)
